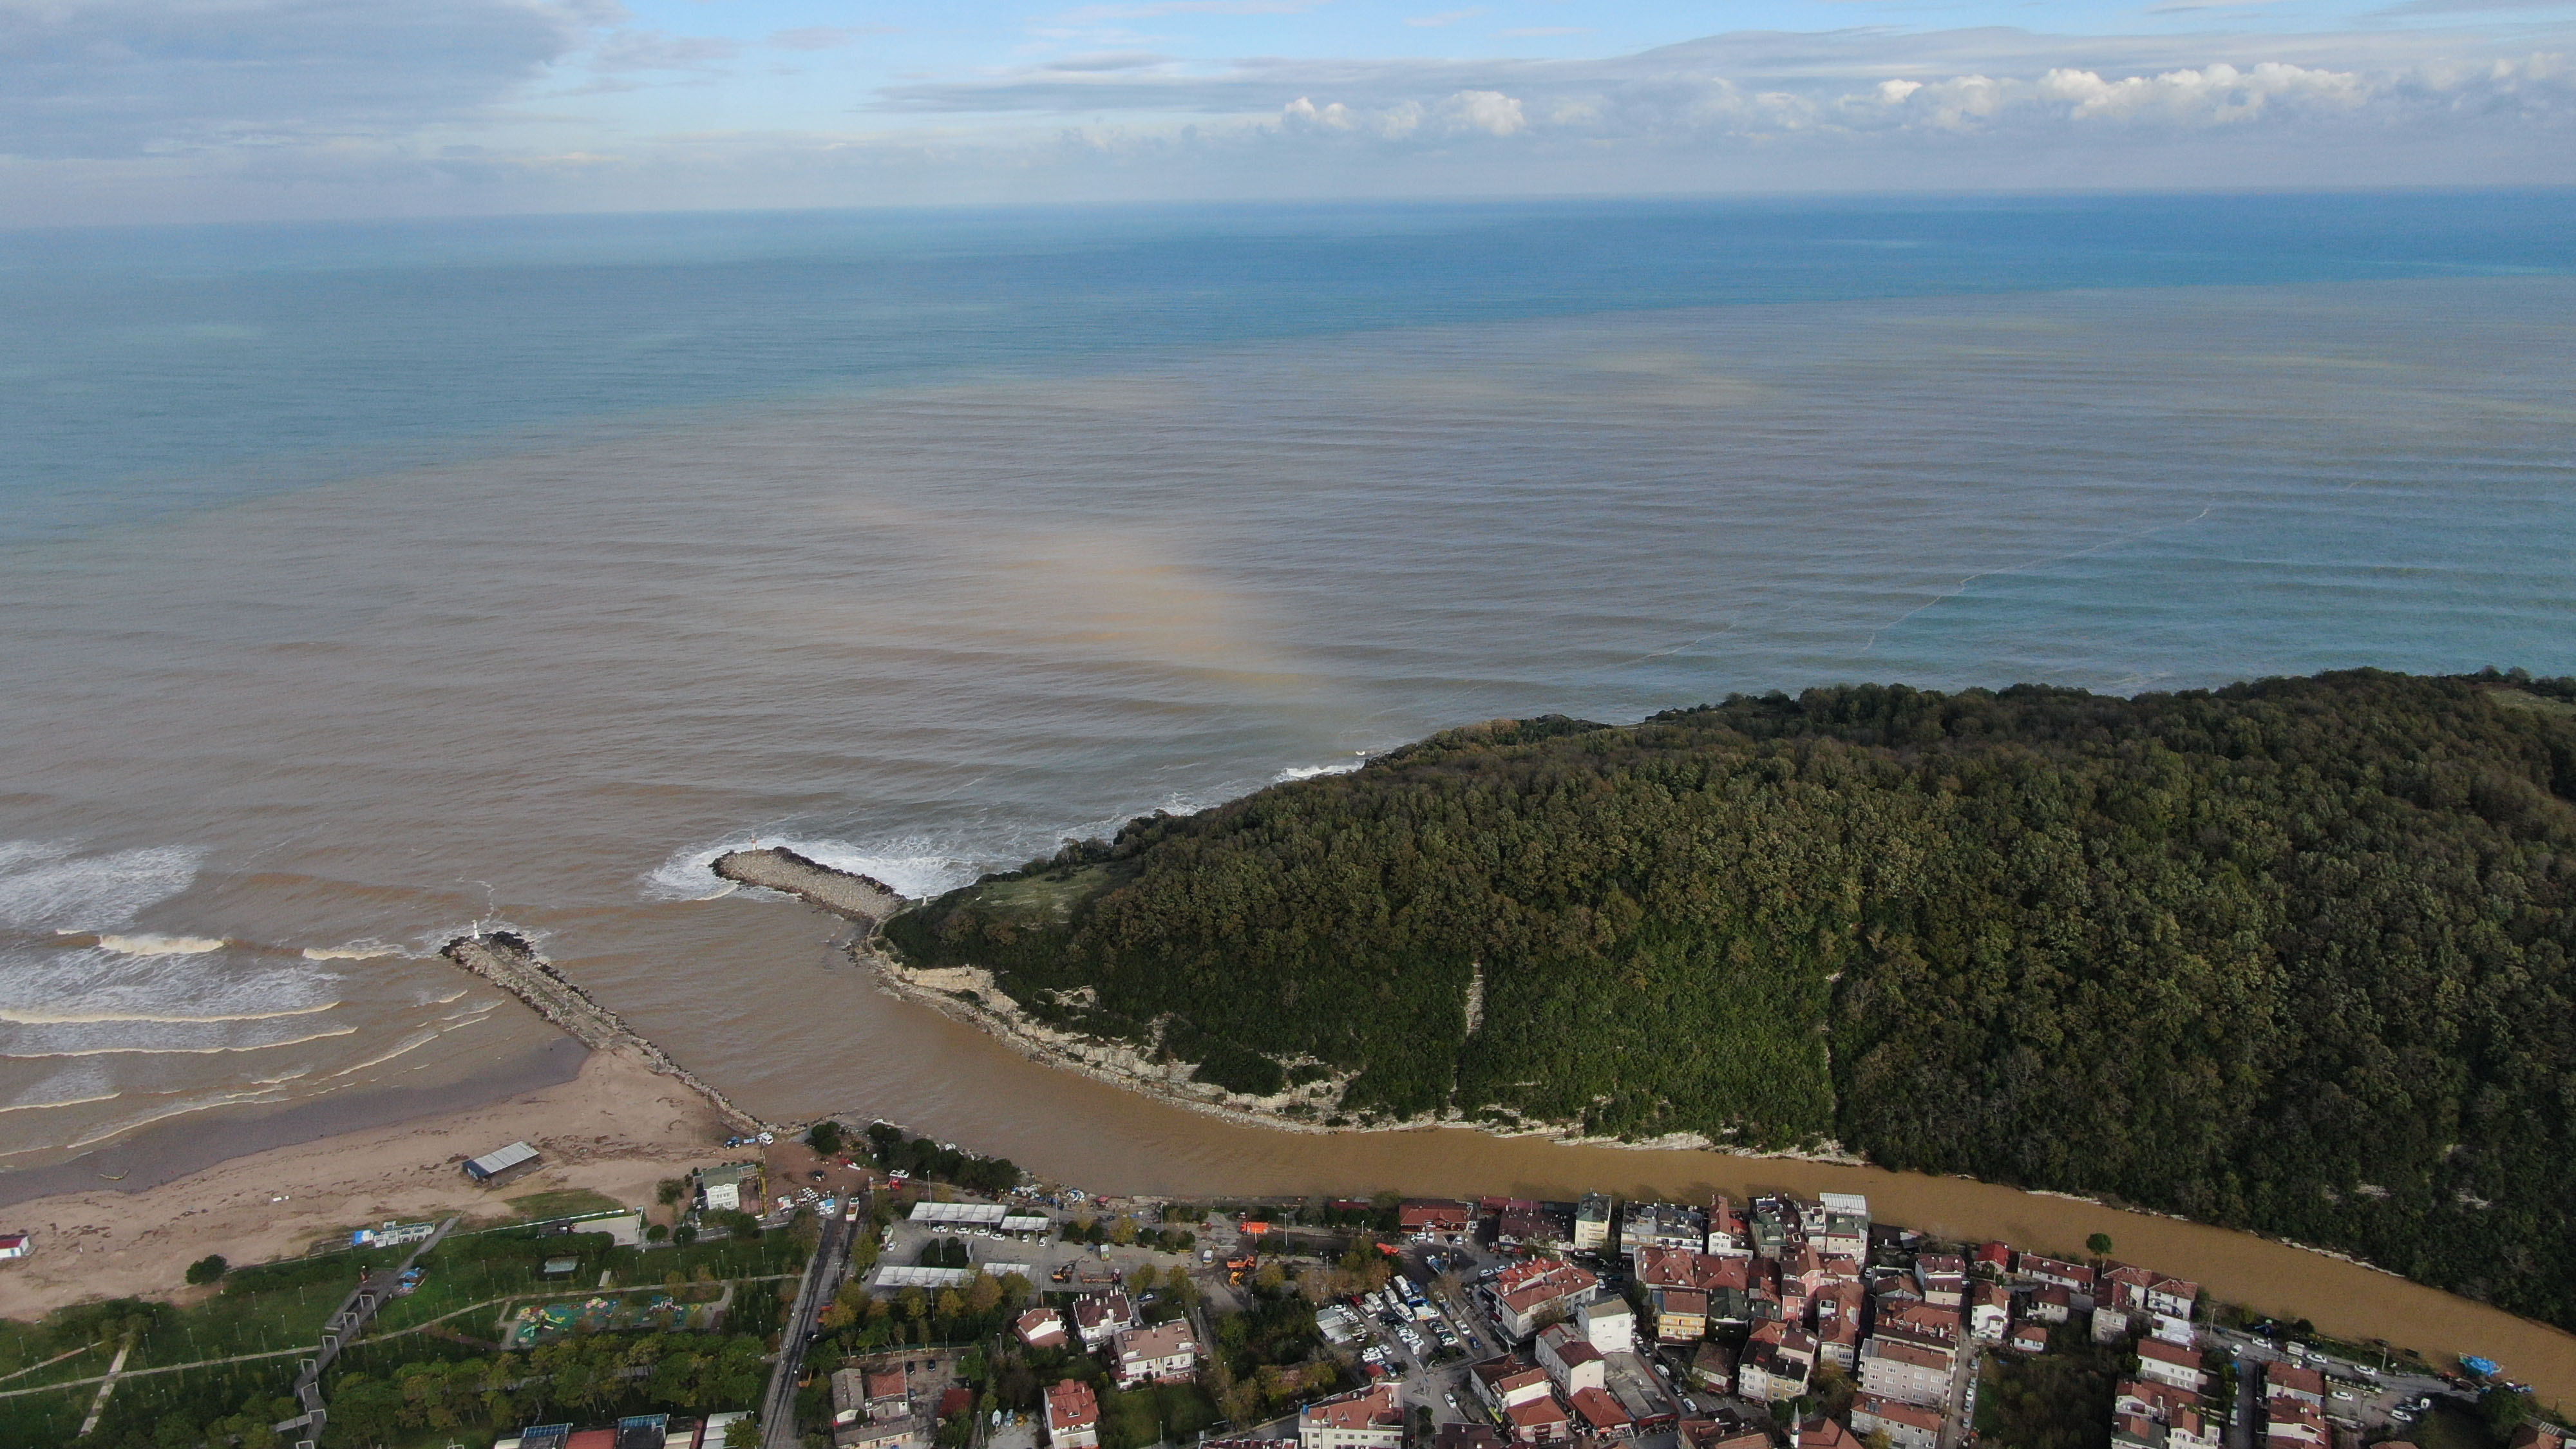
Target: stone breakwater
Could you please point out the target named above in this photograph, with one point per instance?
(505, 959)
(841, 892)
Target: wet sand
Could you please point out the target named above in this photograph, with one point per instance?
(175, 1149)
(615, 1128)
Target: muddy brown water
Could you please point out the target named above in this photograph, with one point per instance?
(1107, 1139)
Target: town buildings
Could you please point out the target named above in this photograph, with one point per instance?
(1072, 1416)
(1373, 1418)
(1098, 1318)
(1524, 1293)
(1164, 1354)
(1907, 1426)
(1662, 1225)
(1592, 1223)
(1041, 1328)
(872, 1409)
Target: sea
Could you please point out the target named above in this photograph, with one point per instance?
(365, 584)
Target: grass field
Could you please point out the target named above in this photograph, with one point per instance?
(568, 1202)
(1154, 1412)
(160, 1409)
(485, 1266)
(267, 1306)
(26, 1351)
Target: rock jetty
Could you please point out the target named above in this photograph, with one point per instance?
(507, 960)
(843, 893)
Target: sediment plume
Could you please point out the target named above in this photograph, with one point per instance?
(843, 893)
(507, 960)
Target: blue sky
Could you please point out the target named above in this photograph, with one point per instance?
(220, 109)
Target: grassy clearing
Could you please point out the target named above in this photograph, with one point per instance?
(564, 1203)
(27, 1351)
(485, 1266)
(269, 1306)
(192, 1407)
(1046, 895)
(43, 1418)
(1153, 1412)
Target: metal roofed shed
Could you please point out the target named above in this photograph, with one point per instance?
(492, 1165)
(975, 1214)
(897, 1275)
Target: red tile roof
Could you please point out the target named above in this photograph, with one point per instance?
(1071, 1405)
(1601, 1411)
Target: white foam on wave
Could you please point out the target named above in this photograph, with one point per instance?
(188, 1051)
(365, 950)
(147, 945)
(913, 865)
(1310, 772)
(418, 1039)
(21, 1016)
(202, 1104)
(910, 866)
(49, 883)
(65, 1102)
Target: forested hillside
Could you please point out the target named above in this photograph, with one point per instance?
(2291, 955)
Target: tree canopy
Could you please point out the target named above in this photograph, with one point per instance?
(2291, 955)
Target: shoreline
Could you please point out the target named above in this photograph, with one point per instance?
(614, 1126)
(624, 1123)
(164, 1152)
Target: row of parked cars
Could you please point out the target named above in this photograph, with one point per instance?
(1403, 1307)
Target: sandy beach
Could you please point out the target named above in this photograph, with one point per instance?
(616, 1128)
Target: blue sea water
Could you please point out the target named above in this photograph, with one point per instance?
(365, 583)
(150, 369)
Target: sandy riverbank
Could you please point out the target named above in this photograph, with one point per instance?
(616, 1127)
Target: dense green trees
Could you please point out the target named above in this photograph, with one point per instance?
(587, 1377)
(2291, 955)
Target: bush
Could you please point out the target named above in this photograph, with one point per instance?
(825, 1137)
(207, 1269)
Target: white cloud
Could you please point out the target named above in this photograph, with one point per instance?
(317, 100)
(1334, 117)
(1445, 17)
(1491, 112)
(2216, 96)
(103, 78)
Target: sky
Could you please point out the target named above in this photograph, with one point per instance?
(208, 110)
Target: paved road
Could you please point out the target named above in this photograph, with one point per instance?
(823, 1275)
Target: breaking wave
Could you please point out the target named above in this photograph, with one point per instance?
(367, 950)
(161, 945)
(203, 1104)
(65, 1102)
(1309, 772)
(48, 883)
(20, 1016)
(200, 1051)
(914, 865)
